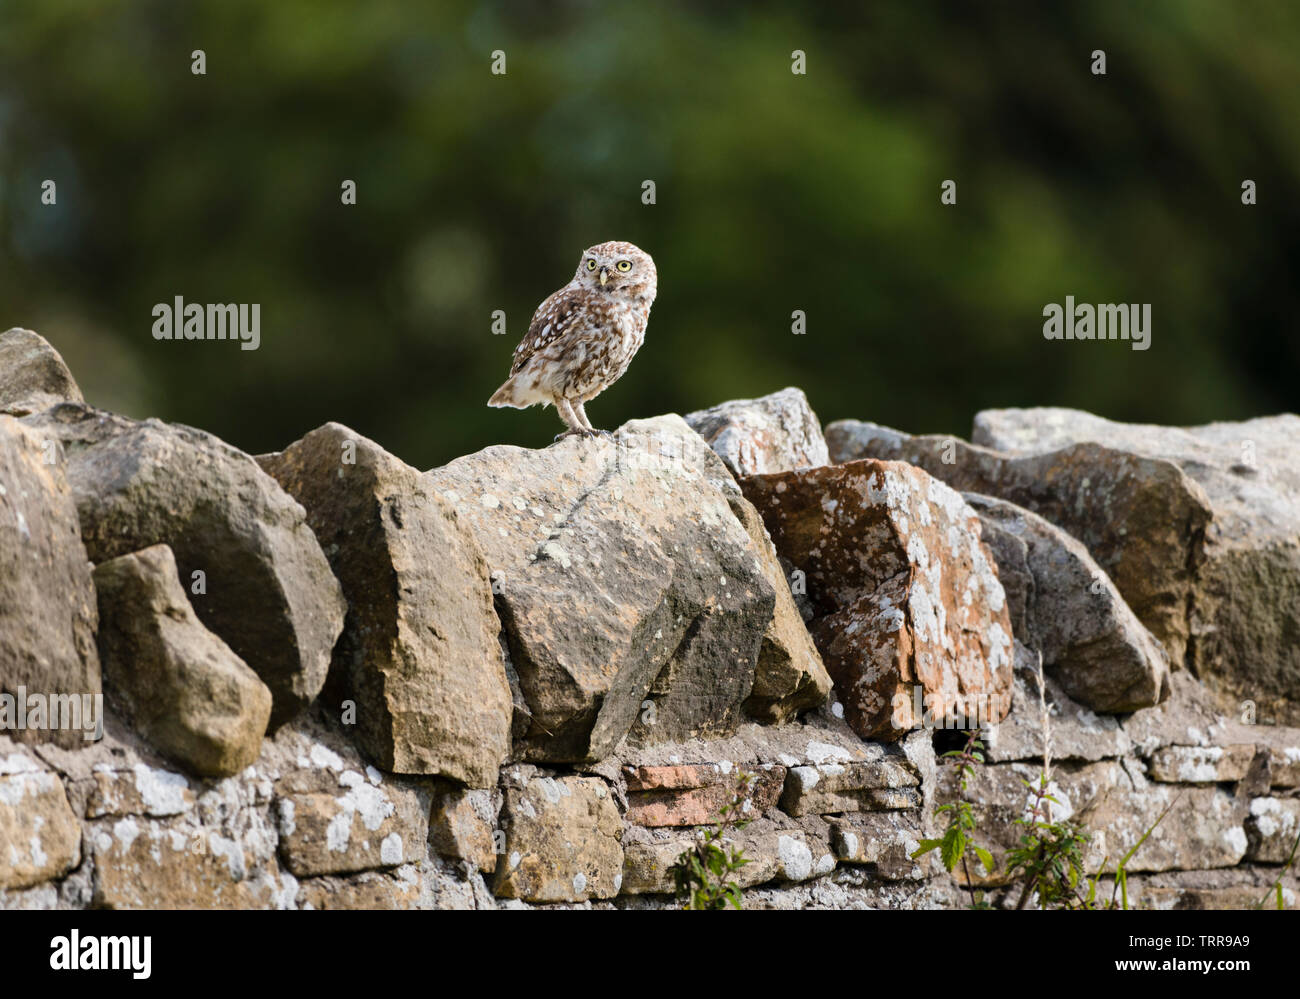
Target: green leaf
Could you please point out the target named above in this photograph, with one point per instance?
(986, 858)
(954, 845)
(926, 846)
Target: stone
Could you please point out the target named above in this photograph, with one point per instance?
(777, 433)
(360, 824)
(1094, 646)
(790, 676)
(142, 863)
(909, 607)
(804, 854)
(1201, 764)
(399, 889)
(266, 587)
(775, 846)
(48, 614)
(419, 654)
(633, 602)
(217, 851)
(1244, 887)
(1188, 718)
(33, 376)
(885, 840)
(1011, 555)
(463, 825)
(447, 886)
(40, 838)
(1078, 733)
(1282, 746)
(562, 840)
(1272, 830)
(827, 788)
(175, 682)
(1194, 722)
(142, 790)
(820, 736)
(1246, 607)
(693, 795)
(1141, 519)
(1202, 830)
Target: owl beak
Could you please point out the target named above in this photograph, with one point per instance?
(604, 276)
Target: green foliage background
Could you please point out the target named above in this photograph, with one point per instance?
(775, 192)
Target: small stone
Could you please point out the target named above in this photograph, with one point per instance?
(40, 837)
(693, 795)
(1201, 764)
(176, 682)
(560, 828)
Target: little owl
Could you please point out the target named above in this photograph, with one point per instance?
(584, 336)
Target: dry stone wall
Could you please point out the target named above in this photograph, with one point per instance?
(324, 679)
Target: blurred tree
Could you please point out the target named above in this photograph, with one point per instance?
(775, 192)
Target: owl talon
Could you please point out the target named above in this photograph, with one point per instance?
(577, 432)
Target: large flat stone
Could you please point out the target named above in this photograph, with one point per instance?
(633, 601)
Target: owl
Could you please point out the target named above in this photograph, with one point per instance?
(583, 337)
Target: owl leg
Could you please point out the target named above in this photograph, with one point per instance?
(575, 426)
(581, 413)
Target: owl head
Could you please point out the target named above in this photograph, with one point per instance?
(617, 268)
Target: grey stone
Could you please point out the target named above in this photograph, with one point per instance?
(33, 376)
(634, 603)
(176, 682)
(269, 593)
(1077, 732)
(776, 433)
(1096, 648)
(828, 788)
(1246, 608)
(1272, 829)
(1142, 519)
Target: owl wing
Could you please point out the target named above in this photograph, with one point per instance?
(555, 317)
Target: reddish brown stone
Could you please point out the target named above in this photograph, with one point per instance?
(906, 594)
(693, 795)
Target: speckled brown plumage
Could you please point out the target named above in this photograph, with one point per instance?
(583, 337)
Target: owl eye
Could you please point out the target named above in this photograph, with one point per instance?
(624, 265)
(591, 265)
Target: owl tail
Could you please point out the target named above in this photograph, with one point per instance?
(506, 396)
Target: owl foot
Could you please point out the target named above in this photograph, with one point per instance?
(577, 432)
